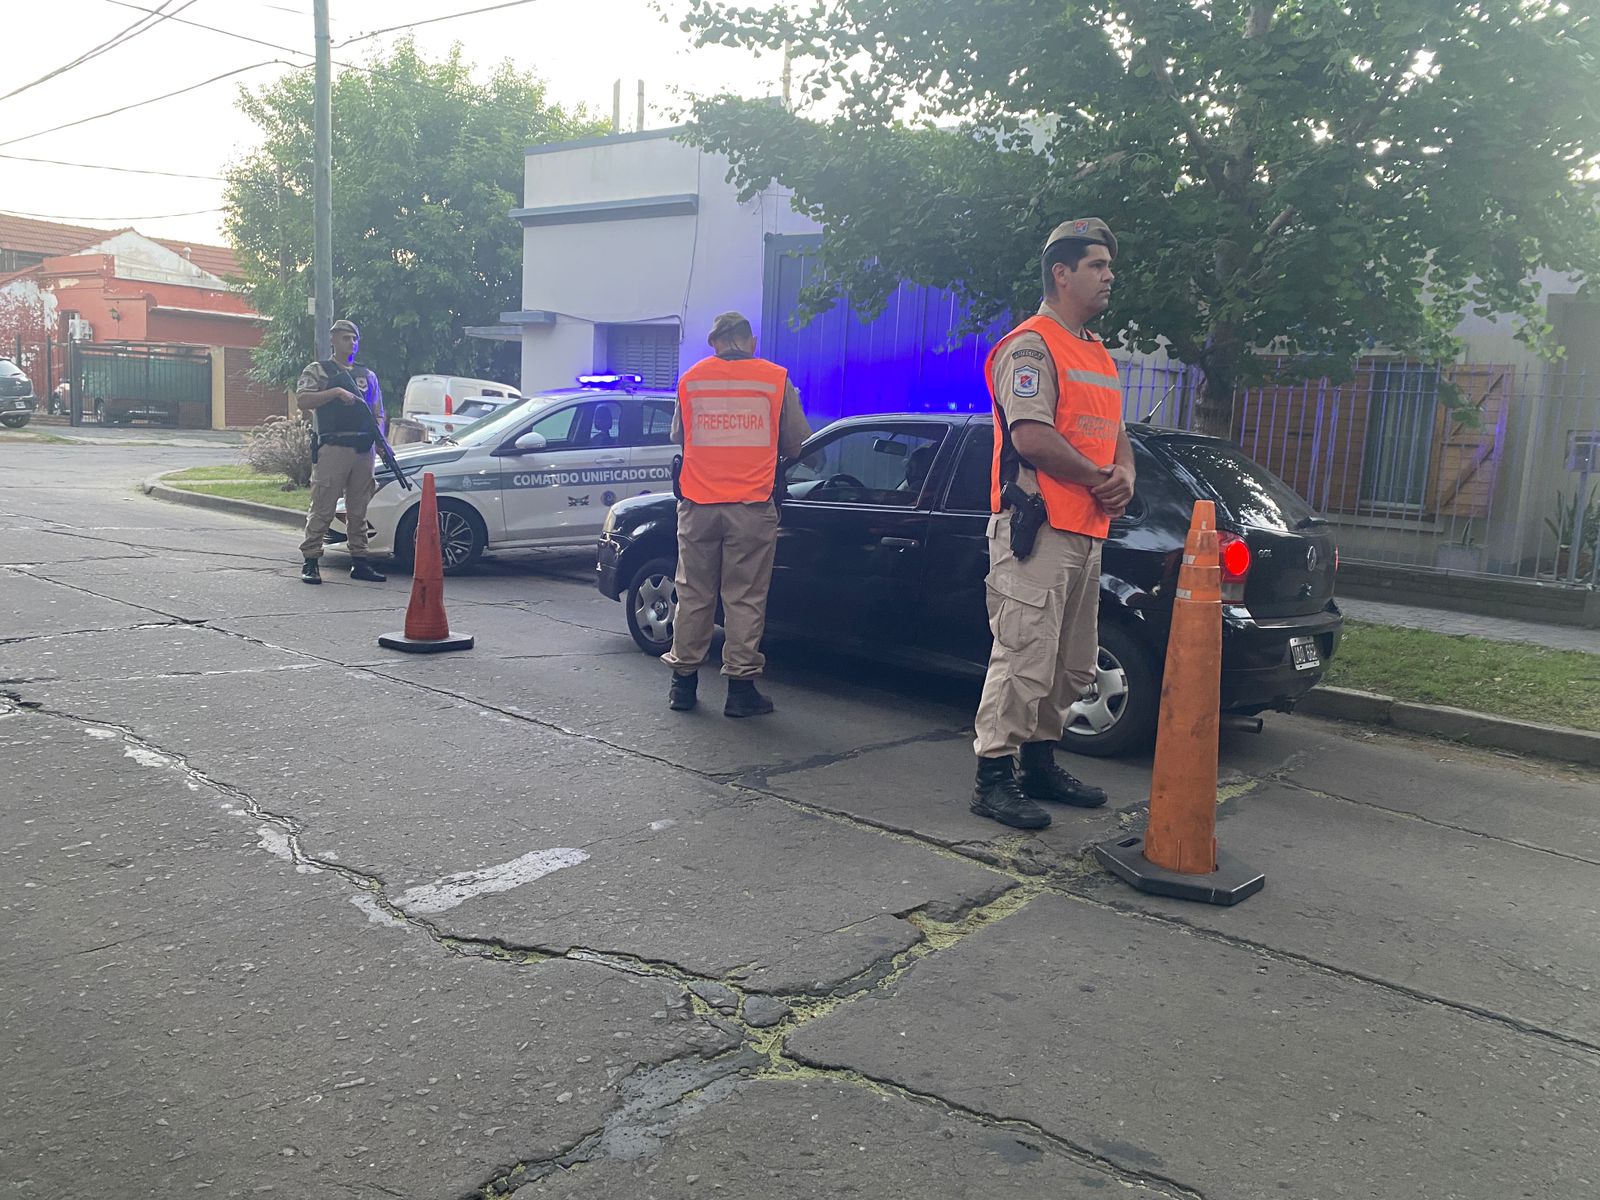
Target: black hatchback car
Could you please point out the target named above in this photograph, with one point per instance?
(882, 551)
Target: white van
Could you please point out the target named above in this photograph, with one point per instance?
(438, 395)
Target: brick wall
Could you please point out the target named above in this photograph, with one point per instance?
(247, 403)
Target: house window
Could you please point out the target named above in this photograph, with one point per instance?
(650, 351)
(1399, 442)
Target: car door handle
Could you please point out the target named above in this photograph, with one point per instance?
(899, 543)
(609, 462)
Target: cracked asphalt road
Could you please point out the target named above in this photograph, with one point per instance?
(287, 916)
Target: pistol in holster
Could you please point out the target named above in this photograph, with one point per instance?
(1027, 515)
(677, 471)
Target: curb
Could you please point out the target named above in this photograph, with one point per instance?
(1454, 724)
(248, 508)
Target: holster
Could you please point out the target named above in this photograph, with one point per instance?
(677, 470)
(1027, 511)
(1027, 516)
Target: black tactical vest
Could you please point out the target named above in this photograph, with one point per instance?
(338, 423)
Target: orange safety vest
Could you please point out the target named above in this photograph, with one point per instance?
(730, 408)
(1088, 416)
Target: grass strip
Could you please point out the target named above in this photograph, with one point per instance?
(239, 483)
(1509, 679)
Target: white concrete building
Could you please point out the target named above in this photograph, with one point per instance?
(631, 245)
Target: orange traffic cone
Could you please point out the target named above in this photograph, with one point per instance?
(427, 628)
(1178, 854)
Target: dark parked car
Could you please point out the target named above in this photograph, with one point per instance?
(882, 551)
(123, 410)
(17, 401)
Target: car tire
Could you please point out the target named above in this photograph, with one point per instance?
(13, 422)
(651, 602)
(1123, 719)
(462, 537)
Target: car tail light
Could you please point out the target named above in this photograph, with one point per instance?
(1234, 555)
(449, 405)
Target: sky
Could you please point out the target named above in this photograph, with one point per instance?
(578, 47)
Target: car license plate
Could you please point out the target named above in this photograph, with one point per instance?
(1304, 654)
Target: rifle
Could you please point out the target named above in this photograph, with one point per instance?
(340, 377)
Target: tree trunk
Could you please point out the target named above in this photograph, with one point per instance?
(1214, 413)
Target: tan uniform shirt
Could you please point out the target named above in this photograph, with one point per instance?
(1027, 349)
(793, 428)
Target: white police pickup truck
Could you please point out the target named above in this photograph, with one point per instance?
(542, 472)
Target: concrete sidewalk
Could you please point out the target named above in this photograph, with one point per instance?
(1496, 629)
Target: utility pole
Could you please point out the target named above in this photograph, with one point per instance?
(322, 187)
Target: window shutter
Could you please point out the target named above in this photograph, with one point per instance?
(650, 351)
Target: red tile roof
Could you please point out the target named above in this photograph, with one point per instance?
(218, 260)
(48, 238)
(51, 238)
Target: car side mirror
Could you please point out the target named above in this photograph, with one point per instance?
(531, 441)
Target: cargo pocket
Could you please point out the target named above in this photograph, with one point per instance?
(1019, 611)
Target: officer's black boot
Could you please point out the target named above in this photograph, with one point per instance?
(310, 572)
(998, 797)
(361, 569)
(744, 700)
(682, 696)
(1042, 779)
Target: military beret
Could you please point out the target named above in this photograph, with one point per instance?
(1083, 229)
(728, 324)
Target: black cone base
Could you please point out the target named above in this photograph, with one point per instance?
(451, 641)
(1230, 883)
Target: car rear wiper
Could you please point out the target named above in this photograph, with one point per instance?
(1310, 522)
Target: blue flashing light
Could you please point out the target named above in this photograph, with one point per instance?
(610, 381)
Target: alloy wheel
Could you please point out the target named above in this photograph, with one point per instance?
(656, 607)
(1096, 716)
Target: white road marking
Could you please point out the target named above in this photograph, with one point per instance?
(447, 893)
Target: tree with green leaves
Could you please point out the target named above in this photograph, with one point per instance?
(1316, 178)
(427, 165)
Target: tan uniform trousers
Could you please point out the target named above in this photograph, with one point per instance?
(726, 549)
(339, 471)
(1044, 614)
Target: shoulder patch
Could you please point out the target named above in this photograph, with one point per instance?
(1026, 352)
(1025, 381)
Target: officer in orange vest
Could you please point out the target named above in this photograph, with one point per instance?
(1063, 469)
(736, 414)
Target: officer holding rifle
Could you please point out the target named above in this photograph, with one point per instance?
(1063, 469)
(346, 408)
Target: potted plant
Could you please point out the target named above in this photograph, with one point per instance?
(1564, 527)
(1461, 552)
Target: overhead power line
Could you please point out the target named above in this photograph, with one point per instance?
(471, 12)
(152, 100)
(199, 212)
(243, 37)
(265, 63)
(143, 25)
(58, 162)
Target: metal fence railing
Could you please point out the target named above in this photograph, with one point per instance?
(1475, 468)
